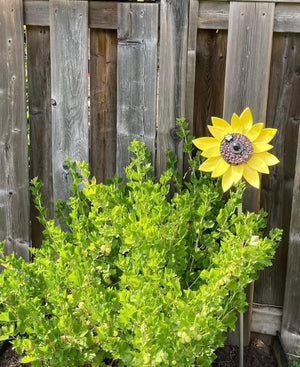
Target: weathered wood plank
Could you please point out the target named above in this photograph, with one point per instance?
(291, 312)
(287, 18)
(266, 319)
(215, 15)
(36, 12)
(191, 62)
(14, 186)
(172, 78)
(277, 187)
(69, 83)
(137, 70)
(103, 103)
(102, 14)
(249, 47)
(39, 95)
(210, 78)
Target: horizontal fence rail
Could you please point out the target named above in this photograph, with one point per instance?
(99, 74)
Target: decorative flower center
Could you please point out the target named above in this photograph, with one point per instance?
(236, 149)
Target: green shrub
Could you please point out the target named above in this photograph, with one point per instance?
(134, 274)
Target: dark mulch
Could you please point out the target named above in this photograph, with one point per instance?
(256, 355)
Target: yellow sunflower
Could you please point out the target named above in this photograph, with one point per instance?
(237, 150)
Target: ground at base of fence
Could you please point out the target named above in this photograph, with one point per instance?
(256, 355)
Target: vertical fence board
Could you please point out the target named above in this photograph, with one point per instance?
(291, 310)
(210, 78)
(39, 95)
(14, 190)
(172, 78)
(103, 103)
(191, 61)
(277, 188)
(69, 82)
(137, 68)
(246, 83)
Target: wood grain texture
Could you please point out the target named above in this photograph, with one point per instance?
(213, 15)
(39, 95)
(287, 18)
(103, 15)
(14, 185)
(210, 78)
(137, 74)
(191, 62)
(36, 12)
(266, 319)
(69, 82)
(291, 313)
(103, 103)
(277, 188)
(247, 82)
(172, 78)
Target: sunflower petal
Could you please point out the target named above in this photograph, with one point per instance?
(221, 124)
(255, 131)
(237, 172)
(251, 176)
(217, 132)
(221, 168)
(269, 158)
(261, 147)
(227, 180)
(266, 135)
(246, 120)
(204, 143)
(212, 152)
(210, 164)
(237, 127)
(257, 163)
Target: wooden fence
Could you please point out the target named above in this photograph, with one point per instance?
(150, 63)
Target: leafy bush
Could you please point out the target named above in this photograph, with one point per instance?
(134, 274)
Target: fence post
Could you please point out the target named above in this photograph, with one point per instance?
(69, 84)
(246, 83)
(14, 190)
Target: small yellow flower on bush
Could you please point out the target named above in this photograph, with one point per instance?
(237, 150)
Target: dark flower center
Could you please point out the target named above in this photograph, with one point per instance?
(236, 149)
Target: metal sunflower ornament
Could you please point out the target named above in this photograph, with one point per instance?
(236, 150)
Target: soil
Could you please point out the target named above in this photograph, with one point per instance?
(256, 355)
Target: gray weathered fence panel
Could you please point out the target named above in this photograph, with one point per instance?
(291, 314)
(14, 190)
(172, 78)
(277, 187)
(137, 70)
(103, 103)
(69, 84)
